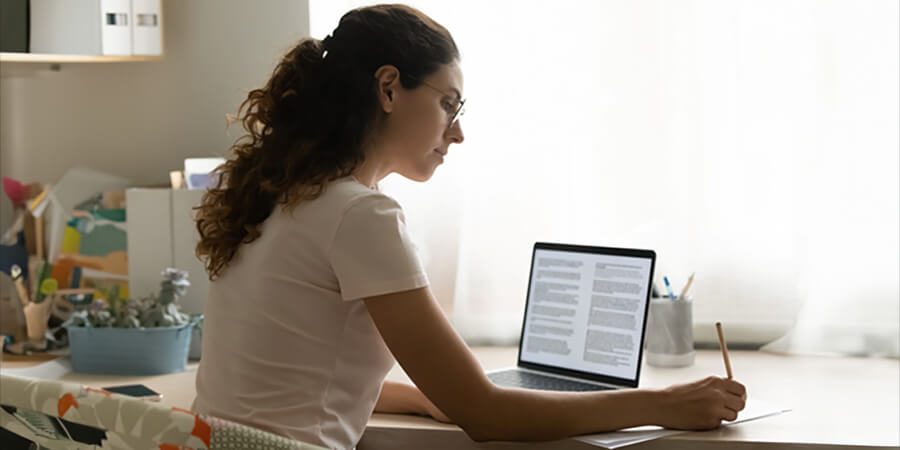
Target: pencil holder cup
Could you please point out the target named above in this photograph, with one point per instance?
(670, 333)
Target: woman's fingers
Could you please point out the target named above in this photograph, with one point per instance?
(728, 414)
(734, 395)
(734, 403)
(734, 387)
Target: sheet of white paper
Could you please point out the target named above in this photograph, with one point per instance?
(754, 409)
(50, 370)
(80, 183)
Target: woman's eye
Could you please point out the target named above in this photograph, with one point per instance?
(447, 106)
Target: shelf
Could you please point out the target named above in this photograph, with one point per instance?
(56, 59)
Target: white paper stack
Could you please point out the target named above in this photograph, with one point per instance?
(754, 409)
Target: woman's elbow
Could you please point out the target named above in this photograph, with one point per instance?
(479, 432)
(483, 419)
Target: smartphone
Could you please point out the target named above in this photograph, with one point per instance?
(136, 390)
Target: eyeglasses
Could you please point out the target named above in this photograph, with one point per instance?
(454, 111)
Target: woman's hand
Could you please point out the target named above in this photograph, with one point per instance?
(702, 404)
(403, 398)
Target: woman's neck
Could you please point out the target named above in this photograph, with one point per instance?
(371, 171)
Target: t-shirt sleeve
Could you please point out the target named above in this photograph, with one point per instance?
(373, 253)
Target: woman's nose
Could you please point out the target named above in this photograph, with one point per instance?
(455, 133)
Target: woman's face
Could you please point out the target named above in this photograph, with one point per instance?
(418, 132)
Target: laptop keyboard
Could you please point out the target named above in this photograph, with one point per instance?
(528, 380)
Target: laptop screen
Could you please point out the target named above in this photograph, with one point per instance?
(586, 311)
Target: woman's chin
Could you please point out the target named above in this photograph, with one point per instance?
(421, 175)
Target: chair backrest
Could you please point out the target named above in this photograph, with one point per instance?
(63, 415)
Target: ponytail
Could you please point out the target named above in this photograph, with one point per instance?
(307, 125)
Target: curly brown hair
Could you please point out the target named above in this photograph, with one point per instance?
(308, 125)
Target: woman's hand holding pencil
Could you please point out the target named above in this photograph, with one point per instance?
(705, 403)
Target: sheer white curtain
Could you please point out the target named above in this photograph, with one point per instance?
(752, 142)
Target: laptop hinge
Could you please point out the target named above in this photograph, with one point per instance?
(564, 377)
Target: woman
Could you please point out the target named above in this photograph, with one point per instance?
(316, 282)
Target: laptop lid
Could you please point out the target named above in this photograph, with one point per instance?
(586, 312)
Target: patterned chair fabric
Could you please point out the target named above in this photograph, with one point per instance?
(60, 415)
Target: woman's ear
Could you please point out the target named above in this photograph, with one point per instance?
(387, 85)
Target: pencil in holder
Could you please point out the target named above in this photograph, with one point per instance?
(670, 332)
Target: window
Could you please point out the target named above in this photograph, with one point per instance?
(754, 143)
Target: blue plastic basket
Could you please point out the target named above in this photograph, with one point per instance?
(130, 351)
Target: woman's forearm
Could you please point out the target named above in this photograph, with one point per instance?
(518, 414)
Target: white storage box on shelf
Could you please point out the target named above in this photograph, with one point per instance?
(83, 27)
(146, 27)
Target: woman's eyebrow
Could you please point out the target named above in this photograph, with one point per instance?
(456, 91)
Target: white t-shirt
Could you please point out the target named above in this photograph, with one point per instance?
(288, 345)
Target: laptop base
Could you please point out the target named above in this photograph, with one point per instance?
(530, 380)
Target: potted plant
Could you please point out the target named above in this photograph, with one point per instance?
(145, 336)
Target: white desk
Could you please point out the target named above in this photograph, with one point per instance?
(838, 403)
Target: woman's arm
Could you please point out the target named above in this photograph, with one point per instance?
(402, 398)
(442, 366)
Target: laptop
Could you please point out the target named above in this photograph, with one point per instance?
(585, 319)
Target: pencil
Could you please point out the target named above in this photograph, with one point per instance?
(724, 349)
(687, 286)
(22, 292)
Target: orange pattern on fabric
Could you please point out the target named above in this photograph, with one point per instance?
(202, 430)
(175, 408)
(65, 402)
(102, 391)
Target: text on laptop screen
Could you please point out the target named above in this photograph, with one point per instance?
(586, 312)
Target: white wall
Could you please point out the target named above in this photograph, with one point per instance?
(141, 119)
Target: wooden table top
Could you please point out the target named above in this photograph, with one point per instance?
(840, 402)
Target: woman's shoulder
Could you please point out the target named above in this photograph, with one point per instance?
(349, 194)
(346, 199)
